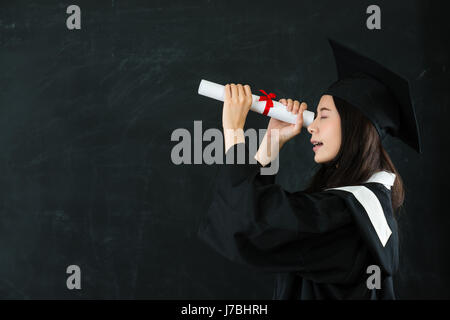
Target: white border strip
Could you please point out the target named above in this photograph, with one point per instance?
(373, 208)
(384, 177)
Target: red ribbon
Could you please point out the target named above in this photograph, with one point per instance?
(268, 98)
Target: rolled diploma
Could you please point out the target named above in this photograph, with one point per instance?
(278, 111)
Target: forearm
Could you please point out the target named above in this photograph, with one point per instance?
(269, 148)
(232, 137)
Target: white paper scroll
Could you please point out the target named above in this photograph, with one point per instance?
(278, 111)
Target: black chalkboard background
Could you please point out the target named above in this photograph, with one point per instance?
(86, 118)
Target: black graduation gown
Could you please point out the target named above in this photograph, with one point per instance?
(318, 245)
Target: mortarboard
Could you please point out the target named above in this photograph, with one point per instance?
(380, 94)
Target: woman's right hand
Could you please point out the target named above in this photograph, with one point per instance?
(287, 130)
(280, 131)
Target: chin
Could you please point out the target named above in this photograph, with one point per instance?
(319, 159)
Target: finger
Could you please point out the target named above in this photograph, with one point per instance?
(234, 93)
(296, 107)
(241, 93)
(227, 92)
(248, 93)
(303, 107)
(248, 90)
(299, 122)
(289, 105)
(283, 101)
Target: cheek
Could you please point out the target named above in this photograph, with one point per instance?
(338, 137)
(334, 136)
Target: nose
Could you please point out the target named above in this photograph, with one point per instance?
(312, 127)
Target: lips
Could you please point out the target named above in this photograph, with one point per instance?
(316, 147)
(317, 144)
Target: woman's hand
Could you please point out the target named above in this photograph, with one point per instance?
(236, 105)
(279, 132)
(286, 130)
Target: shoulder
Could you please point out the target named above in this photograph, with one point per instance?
(373, 199)
(377, 188)
(384, 178)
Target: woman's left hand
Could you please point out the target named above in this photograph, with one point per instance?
(236, 105)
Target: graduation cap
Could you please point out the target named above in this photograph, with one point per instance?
(380, 94)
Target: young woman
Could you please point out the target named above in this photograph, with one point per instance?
(338, 238)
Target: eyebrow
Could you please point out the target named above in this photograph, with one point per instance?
(323, 108)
